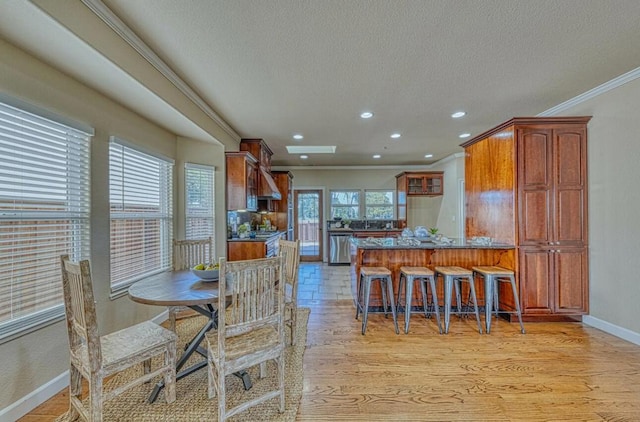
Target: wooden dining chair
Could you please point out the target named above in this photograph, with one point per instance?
(251, 330)
(95, 357)
(187, 254)
(290, 252)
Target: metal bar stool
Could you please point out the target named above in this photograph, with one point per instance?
(453, 276)
(367, 276)
(492, 275)
(408, 276)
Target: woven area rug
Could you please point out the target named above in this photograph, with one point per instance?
(192, 403)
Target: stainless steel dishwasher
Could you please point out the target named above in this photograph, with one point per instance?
(339, 248)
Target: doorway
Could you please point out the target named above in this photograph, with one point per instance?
(308, 223)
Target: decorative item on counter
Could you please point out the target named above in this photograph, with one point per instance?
(346, 223)
(433, 231)
(242, 230)
(480, 240)
(420, 231)
(407, 232)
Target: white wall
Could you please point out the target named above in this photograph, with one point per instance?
(614, 206)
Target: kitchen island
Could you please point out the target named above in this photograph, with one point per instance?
(394, 253)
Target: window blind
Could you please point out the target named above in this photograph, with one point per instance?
(199, 201)
(141, 212)
(44, 213)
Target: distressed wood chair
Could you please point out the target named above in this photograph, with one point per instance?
(290, 253)
(95, 357)
(251, 330)
(187, 254)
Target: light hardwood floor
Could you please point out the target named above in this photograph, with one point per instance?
(557, 371)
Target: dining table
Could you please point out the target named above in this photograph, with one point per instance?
(183, 288)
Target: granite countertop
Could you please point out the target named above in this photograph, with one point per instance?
(350, 230)
(260, 237)
(415, 243)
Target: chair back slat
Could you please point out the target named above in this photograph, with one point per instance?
(80, 310)
(290, 252)
(252, 294)
(189, 253)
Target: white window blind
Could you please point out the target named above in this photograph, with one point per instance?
(44, 213)
(199, 201)
(141, 208)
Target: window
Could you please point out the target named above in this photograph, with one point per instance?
(378, 204)
(44, 212)
(199, 201)
(141, 208)
(345, 204)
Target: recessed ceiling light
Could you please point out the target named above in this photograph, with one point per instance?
(464, 135)
(395, 135)
(377, 156)
(458, 114)
(366, 115)
(304, 157)
(298, 136)
(428, 156)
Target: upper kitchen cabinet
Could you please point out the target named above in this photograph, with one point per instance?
(526, 184)
(267, 188)
(242, 181)
(421, 183)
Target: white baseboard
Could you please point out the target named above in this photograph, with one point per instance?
(26, 404)
(29, 402)
(612, 329)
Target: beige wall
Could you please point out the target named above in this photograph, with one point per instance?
(614, 202)
(34, 359)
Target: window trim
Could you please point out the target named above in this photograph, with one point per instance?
(359, 205)
(392, 205)
(212, 211)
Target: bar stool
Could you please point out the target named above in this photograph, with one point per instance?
(367, 276)
(408, 276)
(492, 275)
(453, 276)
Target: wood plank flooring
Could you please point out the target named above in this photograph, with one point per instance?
(557, 371)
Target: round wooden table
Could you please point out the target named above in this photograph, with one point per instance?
(183, 288)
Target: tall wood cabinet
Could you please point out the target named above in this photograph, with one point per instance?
(526, 184)
(284, 207)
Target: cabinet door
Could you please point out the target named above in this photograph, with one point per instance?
(569, 163)
(535, 186)
(415, 185)
(433, 185)
(536, 280)
(570, 281)
(401, 200)
(252, 186)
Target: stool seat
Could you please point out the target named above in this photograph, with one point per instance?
(453, 276)
(367, 276)
(454, 271)
(374, 271)
(408, 276)
(492, 275)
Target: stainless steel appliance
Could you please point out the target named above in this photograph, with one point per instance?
(339, 248)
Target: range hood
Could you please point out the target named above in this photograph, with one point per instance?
(267, 188)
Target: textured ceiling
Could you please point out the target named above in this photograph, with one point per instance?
(278, 67)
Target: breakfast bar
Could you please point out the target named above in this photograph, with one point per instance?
(394, 253)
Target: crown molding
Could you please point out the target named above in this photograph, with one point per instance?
(120, 28)
(592, 93)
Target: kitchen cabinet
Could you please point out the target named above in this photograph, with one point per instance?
(267, 188)
(377, 233)
(283, 208)
(240, 250)
(526, 183)
(242, 185)
(410, 183)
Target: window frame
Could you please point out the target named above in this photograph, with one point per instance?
(334, 207)
(209, 213)
(163, 215)
(367, 205)
(50, 205)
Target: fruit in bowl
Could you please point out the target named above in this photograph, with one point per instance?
(206, 272)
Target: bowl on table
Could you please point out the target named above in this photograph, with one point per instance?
(207, 275)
